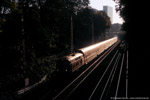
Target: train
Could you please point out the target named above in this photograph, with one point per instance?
(73, 62)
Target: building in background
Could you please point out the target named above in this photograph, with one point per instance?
(109, 11)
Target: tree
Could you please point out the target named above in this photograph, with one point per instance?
(10, 53)
(82, 28)
(32, 31)
(56, 18)
(21, 44)
(136, 26)
(6, 7)
(84, 21)
(101, 23)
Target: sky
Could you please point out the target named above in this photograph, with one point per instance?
(98, 4)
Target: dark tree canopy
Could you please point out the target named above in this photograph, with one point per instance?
(35, 33)
(136, 17)
(84, 21)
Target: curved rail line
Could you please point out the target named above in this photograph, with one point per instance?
(119, 77)
(91, 68)
(111, 75)
(102, 76)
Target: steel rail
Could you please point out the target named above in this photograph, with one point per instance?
(127, 76)
(102, 56)
(114, 68)
(85, 77)
(102, 76)
(119, 77)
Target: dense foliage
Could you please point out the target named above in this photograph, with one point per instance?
(136, 19)
(84, 21)
(34, 34)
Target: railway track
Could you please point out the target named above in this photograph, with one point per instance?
(69, 89)
(72, 91)
(102, 79)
